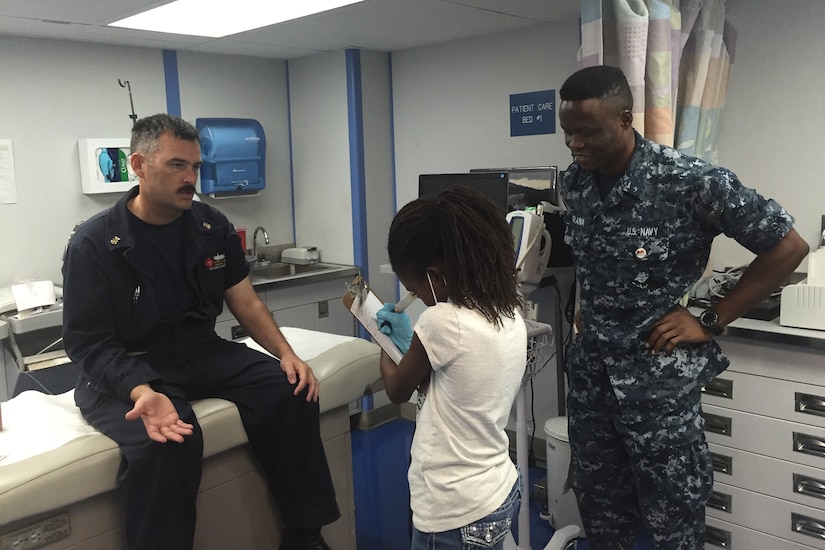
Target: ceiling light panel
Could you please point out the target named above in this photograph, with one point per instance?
(219, 18)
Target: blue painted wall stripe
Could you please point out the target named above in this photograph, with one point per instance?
(355, 117)
(392, 154)
(356, 157)
(170, 72)
(291, 159)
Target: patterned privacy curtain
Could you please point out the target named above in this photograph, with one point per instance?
(677, 56)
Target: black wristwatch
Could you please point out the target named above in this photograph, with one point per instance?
(710, 320)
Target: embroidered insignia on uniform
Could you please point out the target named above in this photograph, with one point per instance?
(217, 261)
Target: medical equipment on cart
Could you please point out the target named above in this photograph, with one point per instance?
(533, 245)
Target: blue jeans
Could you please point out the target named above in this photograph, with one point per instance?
(488, 533)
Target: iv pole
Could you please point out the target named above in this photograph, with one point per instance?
(125, 84)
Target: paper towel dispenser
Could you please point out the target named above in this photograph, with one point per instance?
(234, 152)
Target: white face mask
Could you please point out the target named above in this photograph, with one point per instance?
(444, 281)
(435, 300)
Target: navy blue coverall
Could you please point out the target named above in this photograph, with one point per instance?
(114, 332)
(639, 455)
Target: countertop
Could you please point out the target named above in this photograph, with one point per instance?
(772, 331)
(54, 315)
(336, 271)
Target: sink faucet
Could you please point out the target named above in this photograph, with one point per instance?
(255, 242)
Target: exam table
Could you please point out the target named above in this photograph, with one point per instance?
(58, 479)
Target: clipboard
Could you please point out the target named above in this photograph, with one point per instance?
(363, 303)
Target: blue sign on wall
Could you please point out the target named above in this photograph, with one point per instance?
(533, 113)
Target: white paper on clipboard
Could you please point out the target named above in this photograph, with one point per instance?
(365, 312)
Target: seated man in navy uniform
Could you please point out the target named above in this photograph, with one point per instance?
(144, 282)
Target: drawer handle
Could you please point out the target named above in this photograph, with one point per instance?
(239, 332)
(810, 486)
(808, 444)
(807, 526)
(720, 501)
(323, 309)
(719, 387)
(722, 425)
(717, 537)
(722, 463)
(809, 404)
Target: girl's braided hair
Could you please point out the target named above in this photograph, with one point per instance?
(465, 232)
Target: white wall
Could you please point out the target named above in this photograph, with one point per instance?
(64, 91)
(323, 207)
(771, 131)
(378, 167)
(246, 87)
(451, 114)
(452, 102)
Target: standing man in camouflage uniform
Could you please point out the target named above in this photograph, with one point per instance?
(641, 218)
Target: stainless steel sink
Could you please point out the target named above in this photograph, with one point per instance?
(275, 271)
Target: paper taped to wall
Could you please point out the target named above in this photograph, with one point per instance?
(363, 303)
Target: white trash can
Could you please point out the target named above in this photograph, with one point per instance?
(562, 507)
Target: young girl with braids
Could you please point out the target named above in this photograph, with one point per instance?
(455, 251)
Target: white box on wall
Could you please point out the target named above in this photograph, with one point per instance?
(104, 165)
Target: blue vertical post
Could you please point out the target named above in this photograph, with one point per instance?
(170, 73)
(291, 153)
(355, 118)
(392, 152)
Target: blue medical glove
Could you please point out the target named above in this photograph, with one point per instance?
(396, 326)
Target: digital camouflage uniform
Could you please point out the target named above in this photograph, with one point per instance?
(636, 432)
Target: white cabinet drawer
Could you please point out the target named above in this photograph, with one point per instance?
(298, 317)
(767, 436)
(769, 515)
(300, 294)
(722, 534)
(769, 476)
(795, 401)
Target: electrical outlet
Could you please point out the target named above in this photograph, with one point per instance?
(37, 535)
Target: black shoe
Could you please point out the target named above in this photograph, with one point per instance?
(303, 539)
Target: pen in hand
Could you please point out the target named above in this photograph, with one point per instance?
(402, 305)
(405, 302)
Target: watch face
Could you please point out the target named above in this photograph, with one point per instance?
(709, 318)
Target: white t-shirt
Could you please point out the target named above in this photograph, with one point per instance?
(461, 469)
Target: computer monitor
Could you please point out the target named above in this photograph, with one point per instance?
(492, 184)
(527, 187)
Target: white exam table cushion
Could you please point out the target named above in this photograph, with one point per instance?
(55, 458)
